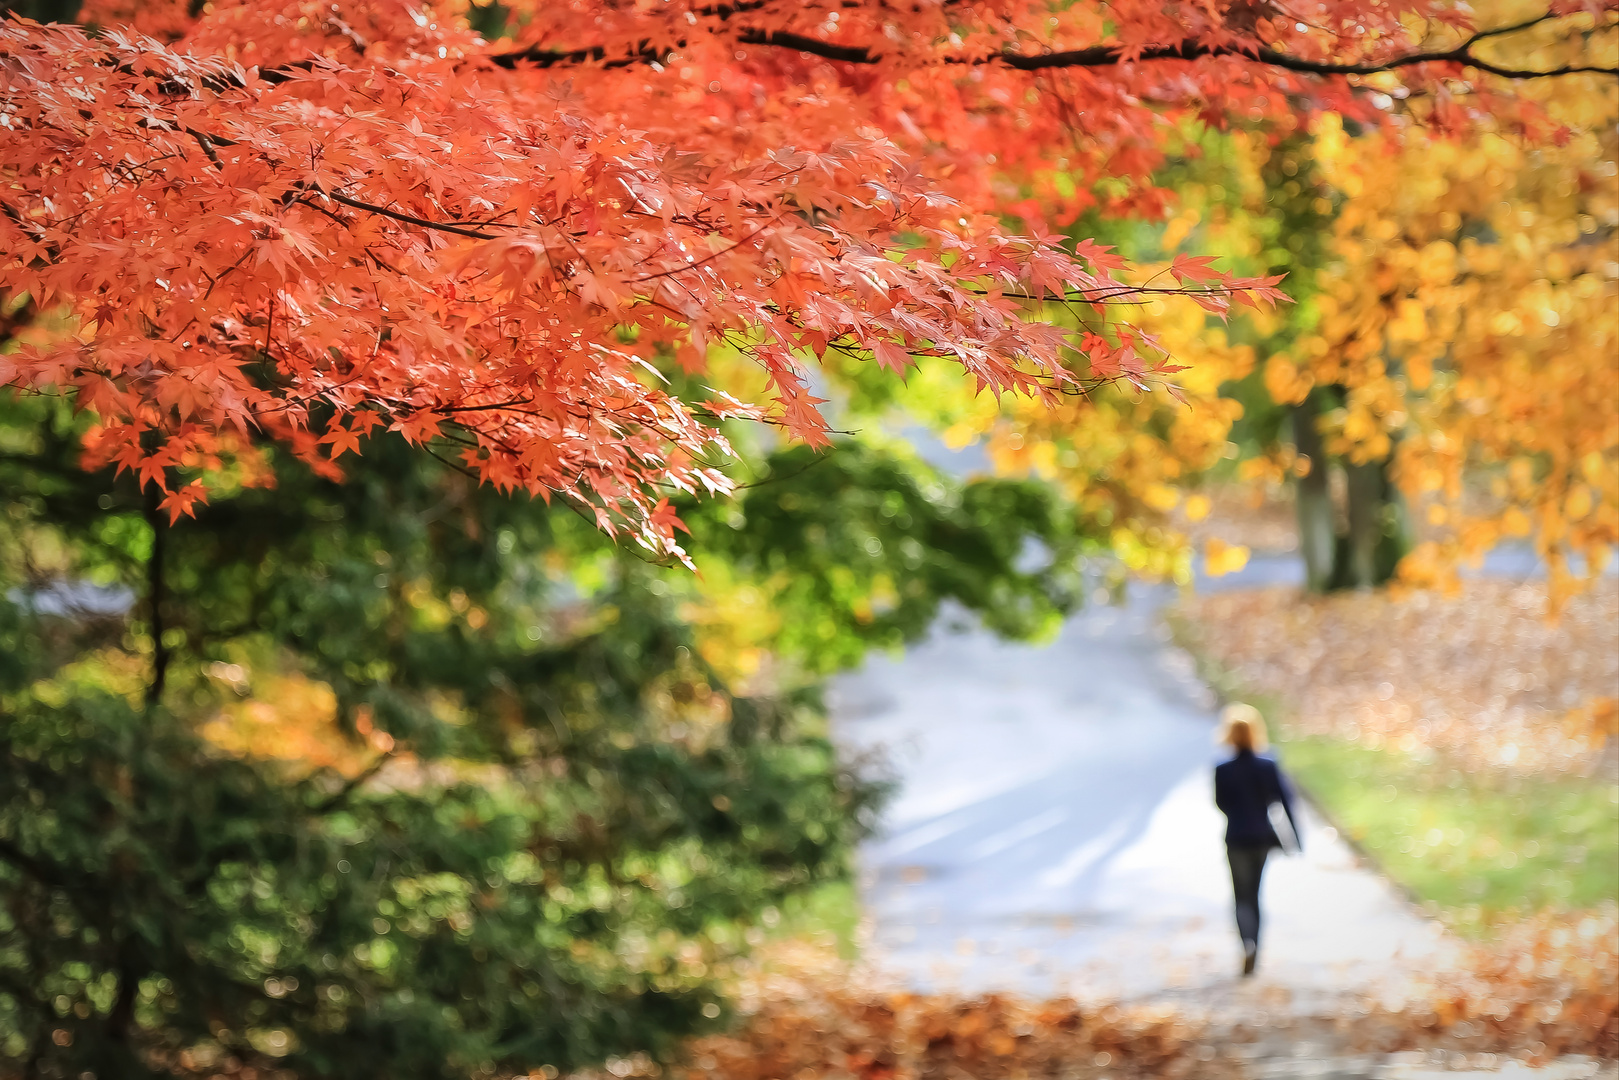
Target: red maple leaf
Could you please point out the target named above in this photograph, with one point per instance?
(488, 237)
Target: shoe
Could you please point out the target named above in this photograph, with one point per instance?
(1250, 957)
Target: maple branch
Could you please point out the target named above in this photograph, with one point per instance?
(409, 219)
(642, 53)
(708, 258)
(207, 147)
(1189, 49)
(1480, 35)
(499, 406)
(1094, 56)
(156, 595)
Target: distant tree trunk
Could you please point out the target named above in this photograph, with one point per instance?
(1359, 570)
(1317, 536)
(1377, 535)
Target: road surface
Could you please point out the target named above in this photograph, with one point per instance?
(1054, 832)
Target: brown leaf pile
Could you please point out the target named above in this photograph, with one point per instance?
(847, 1035)
(805, 1014)
(1545, 988)
(1487, 680)
(1483, 677)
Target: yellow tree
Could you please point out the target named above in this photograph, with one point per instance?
(1469, 328)
(1456, 350)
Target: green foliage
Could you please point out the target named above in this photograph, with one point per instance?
(396, 776)
(1473, 843)
(162, 898)
(826, 914)
(865, 546)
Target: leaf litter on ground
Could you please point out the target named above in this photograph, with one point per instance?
(1484, 677)
(1484, 683)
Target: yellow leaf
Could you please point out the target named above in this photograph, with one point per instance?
(1410, 322)
(1285, 384)
(1221, 558)
(1161, 497)
(1578, 503)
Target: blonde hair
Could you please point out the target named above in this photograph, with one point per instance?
(1242, 727)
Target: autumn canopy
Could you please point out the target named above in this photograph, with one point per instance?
(514, 234)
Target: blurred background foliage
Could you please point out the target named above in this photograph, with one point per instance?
(1445, 382)
(399, 775)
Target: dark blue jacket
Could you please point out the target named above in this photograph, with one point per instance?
(1244, 789)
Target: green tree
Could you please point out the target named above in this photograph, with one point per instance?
(547, 821)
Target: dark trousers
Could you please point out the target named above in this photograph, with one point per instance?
(1247, 864)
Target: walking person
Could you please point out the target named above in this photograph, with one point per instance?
(1245, 790)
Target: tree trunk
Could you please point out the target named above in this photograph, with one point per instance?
(1365, 525)
(1317, 536)
(1379, 535)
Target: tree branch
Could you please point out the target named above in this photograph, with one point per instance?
(642, 53)
(354, 783)
(157, 589)
(41, 872)
(408, 219)
(1095, 56)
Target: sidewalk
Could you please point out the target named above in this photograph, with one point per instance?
(1314, 1062)
(1054, 832)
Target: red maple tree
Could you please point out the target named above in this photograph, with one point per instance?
(305, 220)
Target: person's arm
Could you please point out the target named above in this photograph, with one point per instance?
(1222, 791)
(1285, 797)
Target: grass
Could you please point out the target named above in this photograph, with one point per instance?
(1473, 845)
(1470, 844)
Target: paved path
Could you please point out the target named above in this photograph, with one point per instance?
(1054, 828)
